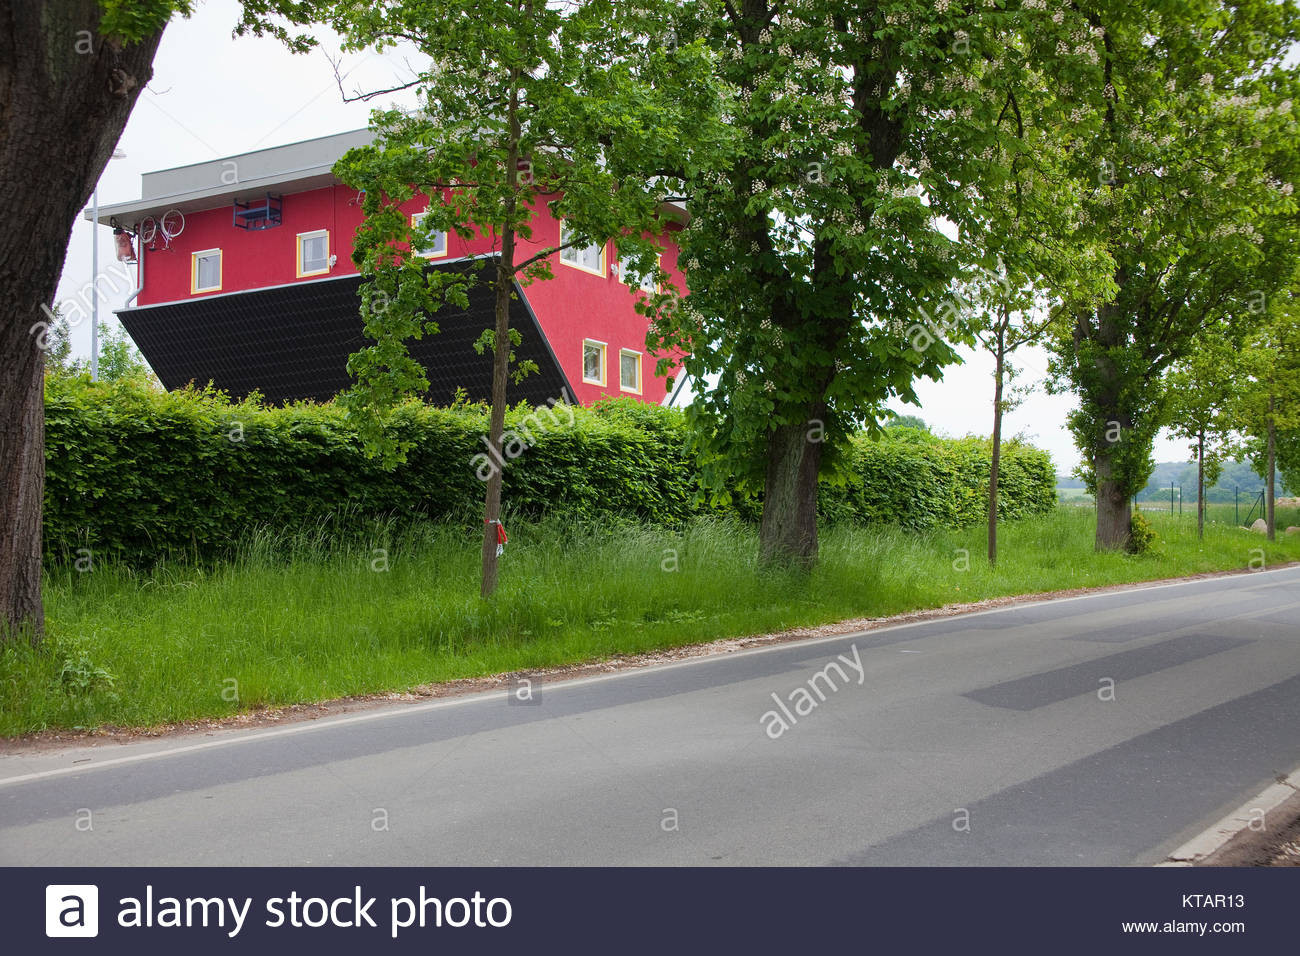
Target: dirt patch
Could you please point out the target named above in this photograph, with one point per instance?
(1278, 844)
(50, 740)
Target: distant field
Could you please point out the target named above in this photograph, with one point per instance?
(1221, 513)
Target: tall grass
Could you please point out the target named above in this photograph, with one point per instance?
(317, 615)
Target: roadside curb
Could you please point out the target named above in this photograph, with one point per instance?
(1239, 821)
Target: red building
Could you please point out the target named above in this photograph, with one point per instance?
(245, 279)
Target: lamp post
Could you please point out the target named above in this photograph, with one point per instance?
(94, 276)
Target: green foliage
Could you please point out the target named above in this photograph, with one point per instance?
(131, 21)
(81, 676)
(526, 105)
(1268, 388)
(907, 421)
(1142, 537)
(119, 359)
(1185, 139)
(140, 475)
(920, 482)
(1203, 387)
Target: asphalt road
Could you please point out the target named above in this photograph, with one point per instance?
(1102, 730)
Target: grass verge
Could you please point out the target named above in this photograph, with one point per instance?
(295, 620)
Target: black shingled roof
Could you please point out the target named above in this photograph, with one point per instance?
(293, 342)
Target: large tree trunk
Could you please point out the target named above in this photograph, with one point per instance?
(22, 478)
(996, 463)
(787, 533)
(1114, 508)
(1269, 513)
(1114, 505)
(65, 95)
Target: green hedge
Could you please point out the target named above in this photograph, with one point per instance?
(141, 474)
(918, 481)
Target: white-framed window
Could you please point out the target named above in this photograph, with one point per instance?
(629, 370)
(437, 244)
(646, 284)
(593, 362)
(205, 271)
(587, 258)
(313, 253)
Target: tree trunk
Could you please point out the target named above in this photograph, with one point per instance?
(501, 357)
(995, 465)
(65, 95)
(1269, 514)
(1200, 484)
(1114, 508)
(1114, 504)
(787, 533)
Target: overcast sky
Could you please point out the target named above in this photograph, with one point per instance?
(214, 96)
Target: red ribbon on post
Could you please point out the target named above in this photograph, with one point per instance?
(501, 536)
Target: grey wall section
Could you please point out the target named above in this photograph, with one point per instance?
(293, 342)
(306, 156)
(296, 167)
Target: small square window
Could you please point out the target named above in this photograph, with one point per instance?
(593, 362)
(313, 253)
(437, 242)
(629, 371)
(646, 283)
(588, 258)
(205, 271)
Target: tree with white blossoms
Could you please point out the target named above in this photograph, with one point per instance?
(821, 274)
(1185, 139)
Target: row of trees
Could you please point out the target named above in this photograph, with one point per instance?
(870, 186)
(1115, 178)
(1238, 393)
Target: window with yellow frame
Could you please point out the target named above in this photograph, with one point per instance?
(629, 371)
(587, 258)
(313, 253)
(205, 271)
(436, 246)
(593, 362)
(645, 283)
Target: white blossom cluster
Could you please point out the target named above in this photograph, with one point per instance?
(965, 81)
(1245, 230)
